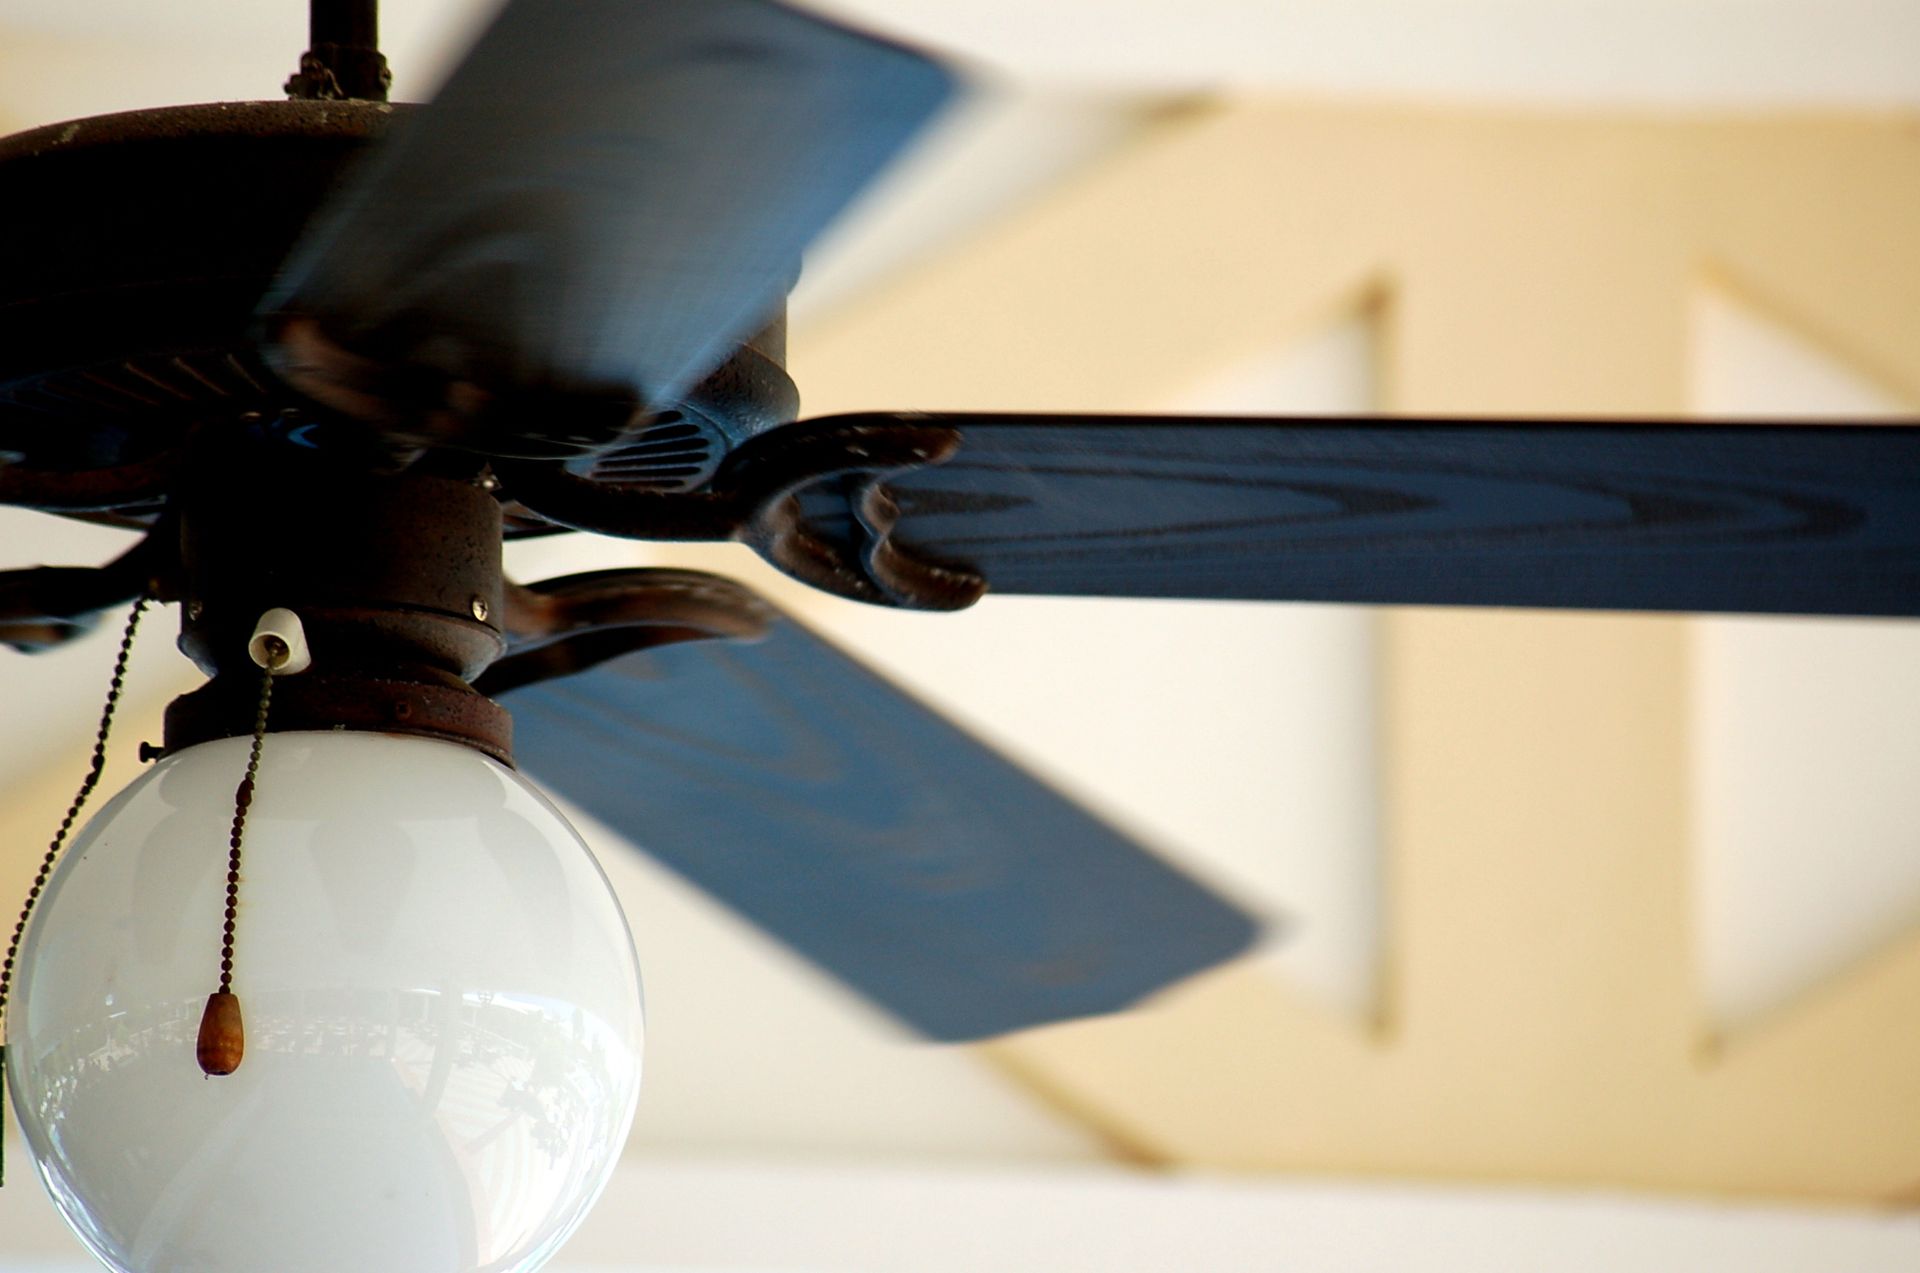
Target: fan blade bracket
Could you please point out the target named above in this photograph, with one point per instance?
(768, 495)
(566, 625)
(853, 463)
(44, 607)
(122, 488)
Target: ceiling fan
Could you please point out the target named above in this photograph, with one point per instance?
(328, 352)
(560, 286)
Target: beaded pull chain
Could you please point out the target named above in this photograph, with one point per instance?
(223, 1039)
(52, 857)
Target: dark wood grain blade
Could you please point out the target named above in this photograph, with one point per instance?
(870, 834)
(607, 193)
(1812, 519)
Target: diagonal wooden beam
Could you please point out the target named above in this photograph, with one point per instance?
(1542, 1020)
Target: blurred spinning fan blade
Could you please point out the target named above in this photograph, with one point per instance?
(608, 195)
(870, 834)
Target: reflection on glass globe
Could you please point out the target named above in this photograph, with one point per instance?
(442, 1009)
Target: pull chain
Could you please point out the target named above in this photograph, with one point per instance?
(222, 1041)
(52, 857)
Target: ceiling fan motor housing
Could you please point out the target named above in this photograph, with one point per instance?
(395, 578)
(134, 251)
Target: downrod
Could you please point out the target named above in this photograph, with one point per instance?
(343, 58)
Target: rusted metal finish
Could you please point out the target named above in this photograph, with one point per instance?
(558, 627)
(402, 598)
(401, 700)
(403, 569)
(268, 121)
(137, 489)
(121, 334)
(344, 59)
(403, 565)
(756, 498)
(396, 580)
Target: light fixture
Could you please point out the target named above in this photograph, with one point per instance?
(439, 995)
(442, 1017)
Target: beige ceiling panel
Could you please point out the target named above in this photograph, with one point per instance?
(1814, 221)
(1132, 285)
(1531, 948)
(1544, 1023)
(1544, 1019)
(1749, 361)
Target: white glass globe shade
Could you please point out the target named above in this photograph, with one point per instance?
(442, 1010)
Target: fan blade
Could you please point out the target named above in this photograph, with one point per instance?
(607, 194)
(1814, 519)
(870, 834)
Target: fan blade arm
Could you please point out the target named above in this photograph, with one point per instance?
(567, 625)
(756, 498)
(44, 607)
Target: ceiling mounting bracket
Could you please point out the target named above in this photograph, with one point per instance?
(343, 58)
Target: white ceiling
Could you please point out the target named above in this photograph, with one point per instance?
(1710, 52)
(1807, 730)
(679, 1216)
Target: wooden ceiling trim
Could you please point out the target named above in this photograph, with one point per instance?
(1542, 1022)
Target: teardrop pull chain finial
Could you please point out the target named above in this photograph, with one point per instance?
(222, 1041)
(52, 856)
